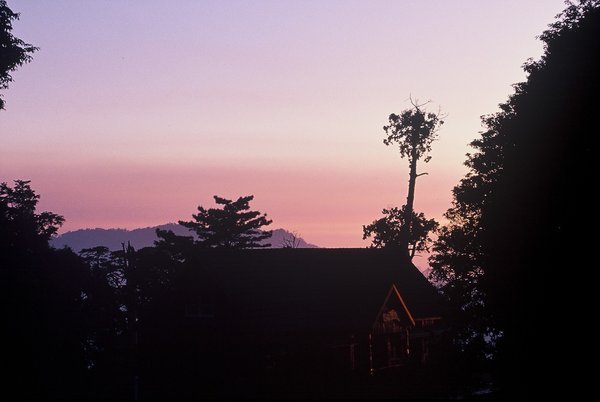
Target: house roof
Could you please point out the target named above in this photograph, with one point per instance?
(308, 290)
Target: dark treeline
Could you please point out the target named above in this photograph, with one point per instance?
(163, 323)
(505, 262)
(509, 260)
(110, 325)
(75, 320)
(45, 295)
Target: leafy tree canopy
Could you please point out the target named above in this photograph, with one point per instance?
(42, 294)
(233, 226)
(13, 51)
(520, 208)
(413, 130)
(387, 231)
(19, 223)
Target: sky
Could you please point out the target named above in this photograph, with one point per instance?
(133, 113)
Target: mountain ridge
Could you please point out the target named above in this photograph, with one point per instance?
(145, 237)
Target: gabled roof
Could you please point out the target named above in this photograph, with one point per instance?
(309, 290)
(397, 306)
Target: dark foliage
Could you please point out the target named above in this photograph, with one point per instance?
(41, 299)
(13, 51)
(413, 130)
(517, 214)
(166, 321)
(66, 334)
(233, 226)
(387, 231)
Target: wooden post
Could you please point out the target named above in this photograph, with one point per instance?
(131, 304)
(371, 370)
(353, 355)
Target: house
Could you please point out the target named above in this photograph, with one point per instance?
(279, 317)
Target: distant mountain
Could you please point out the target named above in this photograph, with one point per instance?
(144, 237)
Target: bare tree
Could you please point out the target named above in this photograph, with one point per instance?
(290, 240)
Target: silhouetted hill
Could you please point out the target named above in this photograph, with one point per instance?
(143, 237)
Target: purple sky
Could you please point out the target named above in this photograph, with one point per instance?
(134, 112)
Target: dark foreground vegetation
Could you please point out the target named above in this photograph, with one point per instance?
(95, 325)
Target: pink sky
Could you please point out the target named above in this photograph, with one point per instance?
(134, 112)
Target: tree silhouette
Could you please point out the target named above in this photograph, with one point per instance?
(233, 226)
(290, 240)
(387, 231)
(42, 294)
(518, 217)
(13, 51)
(177, 248)
(20, 225)
(413, 130)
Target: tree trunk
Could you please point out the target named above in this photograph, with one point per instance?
(410, 199)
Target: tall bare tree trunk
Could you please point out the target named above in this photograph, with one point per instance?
(410, 200)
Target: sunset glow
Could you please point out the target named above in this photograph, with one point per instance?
(133, 113)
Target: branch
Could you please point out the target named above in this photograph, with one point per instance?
(421, 174)
(416, 103)
(440, 115)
